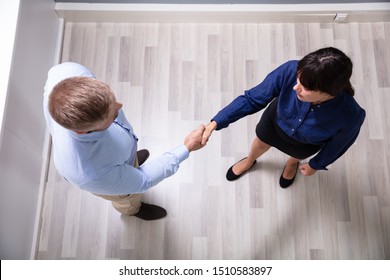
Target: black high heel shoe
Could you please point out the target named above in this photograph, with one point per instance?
(230, 176)
(285, 183)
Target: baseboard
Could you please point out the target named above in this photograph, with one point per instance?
(46, 152)
(245, 13)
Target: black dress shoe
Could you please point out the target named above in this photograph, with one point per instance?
(142, 156)
(230, 176)
(149, 212)
(285, 183)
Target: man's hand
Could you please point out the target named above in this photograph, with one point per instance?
(193, 141)
(307, 170)
(207, 133)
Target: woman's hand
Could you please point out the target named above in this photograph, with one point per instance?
(207, 132)
(307, 170)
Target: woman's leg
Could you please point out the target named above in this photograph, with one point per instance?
(257, 149)
(291, 168)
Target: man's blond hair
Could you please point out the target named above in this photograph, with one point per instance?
(78, 103)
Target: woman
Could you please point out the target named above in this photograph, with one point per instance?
(311, 111)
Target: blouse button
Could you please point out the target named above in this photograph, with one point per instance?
(300, 120)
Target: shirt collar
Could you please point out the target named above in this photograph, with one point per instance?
(331, 102)
(88, 137)
(96, 135)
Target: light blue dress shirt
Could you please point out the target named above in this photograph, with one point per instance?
(102, 162)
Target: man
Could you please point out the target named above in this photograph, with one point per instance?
(95, 147)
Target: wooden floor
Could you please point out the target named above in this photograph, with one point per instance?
(173, 77)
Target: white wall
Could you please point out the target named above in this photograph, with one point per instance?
(24, 127)
(224, 1)
(8, 19)
(237, 13)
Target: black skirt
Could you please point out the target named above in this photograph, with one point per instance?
(268, 131)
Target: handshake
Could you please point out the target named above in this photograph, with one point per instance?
(198, 138)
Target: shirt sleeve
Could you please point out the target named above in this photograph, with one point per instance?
(257, 98)
(127, 179)
(336, 146)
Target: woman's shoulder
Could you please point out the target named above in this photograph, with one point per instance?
(286, 71)
(351, 108)
(351, 102)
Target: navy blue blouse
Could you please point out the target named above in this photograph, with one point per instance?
(334, 124)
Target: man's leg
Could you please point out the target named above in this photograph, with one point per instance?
(131, 204)
(125, 204)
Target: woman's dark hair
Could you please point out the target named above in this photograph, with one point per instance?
(327, 70)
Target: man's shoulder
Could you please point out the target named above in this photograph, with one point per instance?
(69, 69)
(63, 71)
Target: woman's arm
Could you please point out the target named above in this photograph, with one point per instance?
(254, 99)
(207, 133)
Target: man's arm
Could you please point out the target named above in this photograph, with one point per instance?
(130, 180)
(193, 141)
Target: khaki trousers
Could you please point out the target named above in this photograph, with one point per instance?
(127, 204)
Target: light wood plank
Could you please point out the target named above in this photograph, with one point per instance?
(373, 228)
(173, 77)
